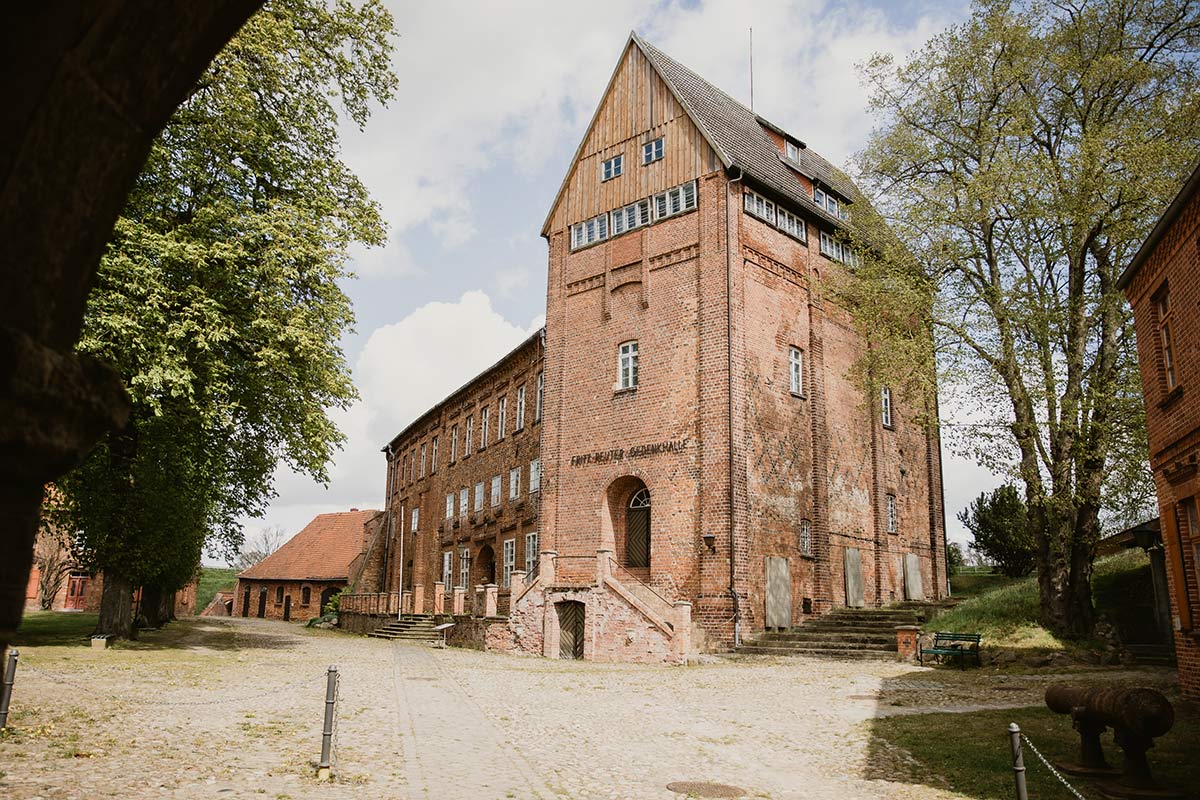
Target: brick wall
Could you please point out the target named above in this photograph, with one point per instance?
(1173, 417)
(273, 608)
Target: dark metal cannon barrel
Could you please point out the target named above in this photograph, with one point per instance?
(1141, 711)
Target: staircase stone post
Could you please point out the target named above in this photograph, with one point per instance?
(460, 597)
(681, 635)
(406, 602)
(490, 596)
(439, 597)
(418, 595)
(546, 566)
(603, 565)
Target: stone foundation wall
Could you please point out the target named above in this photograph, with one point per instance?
(354, 622)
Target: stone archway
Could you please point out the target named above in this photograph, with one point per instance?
(628, 515)
(487, 565)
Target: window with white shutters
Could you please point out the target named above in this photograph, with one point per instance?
(495, 490)
(535, 475)
(531, 551)
(510, 560)
(514, 483)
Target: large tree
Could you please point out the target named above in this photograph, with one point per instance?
(218, 299)
(1021, 158)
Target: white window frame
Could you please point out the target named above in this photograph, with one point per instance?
(454, 443)
(464, 504)
(495, 493)
(477, 506)
(470, 434)
(433, 456)
(422, 459)
(501, 417)
(514, 483)
(531, 551)
(589, 231)
(535, 475)
(634, 215)
(612, 167)
(447, 569)
(509, 549)
(654, 150)
(886, 415)
(892, 514)
(520, 409)
(793, 152)
(464, 567)
(484, 418)
(790, 224)
(450, 506)
(796, 371)
(416, 519)
(758, 206)
(676, 200)
(412, 466)
(541, 393)
(806, 544)
(627, 365)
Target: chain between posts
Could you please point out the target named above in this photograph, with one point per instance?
(1050, 767)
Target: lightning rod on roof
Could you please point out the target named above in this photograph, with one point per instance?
(752, 69)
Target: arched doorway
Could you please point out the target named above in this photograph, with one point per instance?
(637, 529)
(262, 604)
(326, 596)
(487, 564)
(246, 603)
(570, 629)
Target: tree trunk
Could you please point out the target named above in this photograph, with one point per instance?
(166, 607)
(116, 607)
(1065, 547)
(149, 609)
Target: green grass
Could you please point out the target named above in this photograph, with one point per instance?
(1007, 614)
(51, 628)
(212, 580)
(972, 585)
(969, 753)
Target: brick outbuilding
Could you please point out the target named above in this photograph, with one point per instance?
(1162, 283)
(681, 458)
(297, 580)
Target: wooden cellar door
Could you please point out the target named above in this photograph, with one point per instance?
(854, 581)
(570, 630)
(779, 593)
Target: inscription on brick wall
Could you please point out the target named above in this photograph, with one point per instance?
(622, 453)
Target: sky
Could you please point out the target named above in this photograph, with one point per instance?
(465, 161)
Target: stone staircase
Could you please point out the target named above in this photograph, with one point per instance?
(410, 628)
(1159, 655)
(844, 633)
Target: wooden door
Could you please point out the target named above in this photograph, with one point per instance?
(262, 604)
(637, 538)
(913, 590)
(246, 604)
(779, 593)
(287, 608)
(852, 561)
(77, 586)
(570, 630)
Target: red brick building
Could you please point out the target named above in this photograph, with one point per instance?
(298, 579)
(681, 459)
(1162, 284)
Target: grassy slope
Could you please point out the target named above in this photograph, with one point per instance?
(54, 628)
(213, 579)
(1007, 615)
(969, 753)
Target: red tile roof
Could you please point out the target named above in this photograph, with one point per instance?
(322, 551)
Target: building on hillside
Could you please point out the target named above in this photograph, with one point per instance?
(1162, 283)
(298, 579)
(680, 459)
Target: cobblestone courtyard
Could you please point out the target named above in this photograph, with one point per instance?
(232, 708)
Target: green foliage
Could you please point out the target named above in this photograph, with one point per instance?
(54, 628)
(213, 580)
(333, 605)
(955, 559)
(218, 299)
(1000, 528)
(1021, 158)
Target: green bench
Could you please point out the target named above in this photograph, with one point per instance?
(961, 646)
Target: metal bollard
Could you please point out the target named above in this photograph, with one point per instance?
(1014, 733)
(325, 767)
(10, 673)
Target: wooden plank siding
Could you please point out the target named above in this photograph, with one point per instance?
(637, 108)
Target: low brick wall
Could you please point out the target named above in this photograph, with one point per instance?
(479, 633)
(354, 622)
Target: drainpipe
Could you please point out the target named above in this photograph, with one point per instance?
(391, 484)
(737, 621)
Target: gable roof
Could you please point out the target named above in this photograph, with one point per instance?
(322, 551)
(737, 135)
(1164, 223)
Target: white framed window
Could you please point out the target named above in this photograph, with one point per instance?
(484, 418)
(796, 370)
(450, 506)
(531, 551)
(470, 433)
(495, 490)
(793, 152)
(422, 459)
(447, 568)
(478, 497)
(612, 167)
(1162, 308)
(759, 206)
(892, 514)
(514, 483)
(589, 231)
(631, 216)
(831, 203)
(838, 250)
(416, 519)
(652, 151)
(462, 502)
(454, 443)
(675, 200)
(433, 456)
(885, 406)
(520, 408)
(806, 546)
(537, 405)
(510, 560)
(627, 365)
(790, 224)
(412, 465)
(464, 567)
(535, 475)
(501, 418)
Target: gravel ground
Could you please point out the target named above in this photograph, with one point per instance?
(232, 708)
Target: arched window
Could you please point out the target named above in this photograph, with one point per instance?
(637, 529)
(278, 594)
(306, 595)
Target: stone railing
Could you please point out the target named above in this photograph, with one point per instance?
(370, 603)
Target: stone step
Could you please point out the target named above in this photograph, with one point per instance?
(849, 655)
(802, 635)
(405, 636)
(889, 630)
(792, 645)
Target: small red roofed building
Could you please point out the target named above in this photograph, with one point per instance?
(298, 579)
(1162, 284)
